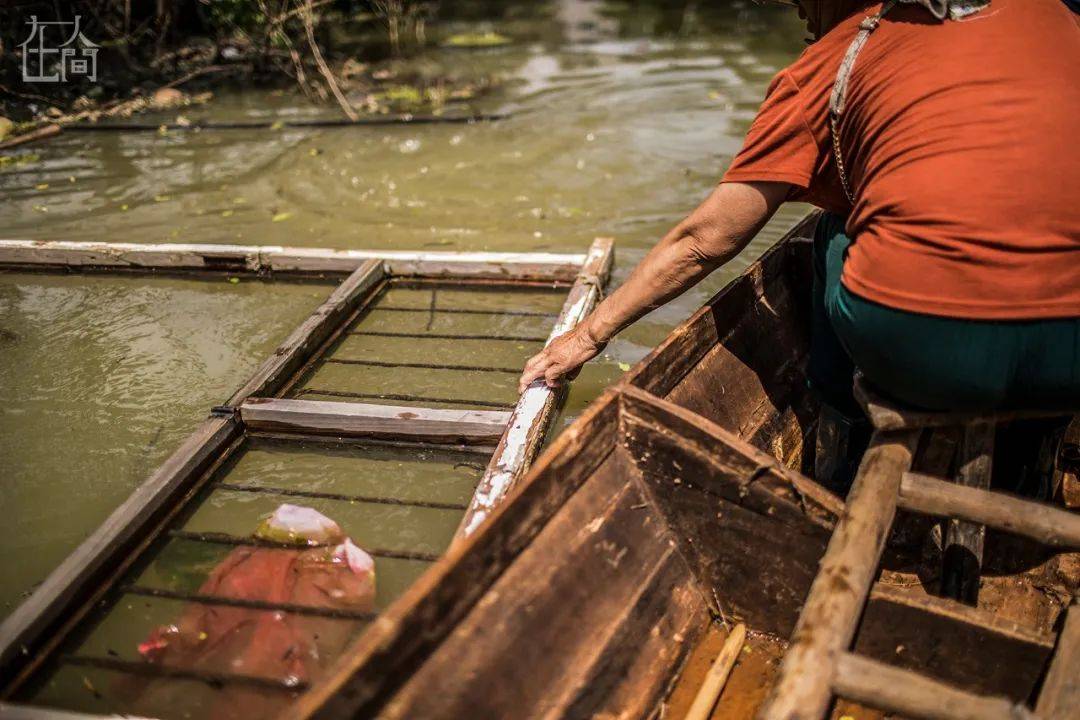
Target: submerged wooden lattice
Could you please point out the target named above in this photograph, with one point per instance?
(414, 356)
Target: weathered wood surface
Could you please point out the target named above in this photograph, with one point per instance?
(915, 696)
(538, 404)
(395, 646)
(964, 540)
(830, 616)
(971, 648)
(302, 342)
(468, 427)
(11, 711)
(67, 585)
(749, 468)
(706, 698)
(752, 530)
(262, 259)
(1060, 696)
(571, 612)
(1038, 521)
(739, 361)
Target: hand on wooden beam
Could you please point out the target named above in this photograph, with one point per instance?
(562, 359)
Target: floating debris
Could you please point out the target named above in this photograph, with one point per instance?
(477, 40)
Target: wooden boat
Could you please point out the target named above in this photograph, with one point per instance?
(677, 505)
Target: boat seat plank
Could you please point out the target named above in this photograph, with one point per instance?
(887, 415)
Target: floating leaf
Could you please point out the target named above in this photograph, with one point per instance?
(624, 366)
(226, 213)
(402, 94)
(234, 280)
(161, 198)
(41, 186)
(281, 217)
(277, 125)
(468, 40)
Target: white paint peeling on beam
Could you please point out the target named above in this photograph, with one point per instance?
(521, 441)
(262, 258)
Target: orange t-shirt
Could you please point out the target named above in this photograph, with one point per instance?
(962, 145)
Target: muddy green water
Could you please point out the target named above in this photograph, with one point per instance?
(100, 379)
(624, 115)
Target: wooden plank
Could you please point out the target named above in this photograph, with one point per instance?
(1060, 695)
(831, 614)
(12, 711)
(299, 346)
(469, 427)
(1038, 521)
(260, 259)
(915, 696)
(750, 529)
(583, 595)
(962, 556)
(67, 585)
(639, 667)
(383, 658)
(971, 648)
(537, 406)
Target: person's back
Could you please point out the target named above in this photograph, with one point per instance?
(959, 140)
(947, 268)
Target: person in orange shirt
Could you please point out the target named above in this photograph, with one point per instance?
(941, 138)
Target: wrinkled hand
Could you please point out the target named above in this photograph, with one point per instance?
(562, 359)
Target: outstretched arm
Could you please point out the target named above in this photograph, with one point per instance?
(712, 234)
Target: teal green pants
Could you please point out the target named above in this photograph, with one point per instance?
(932, 362)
